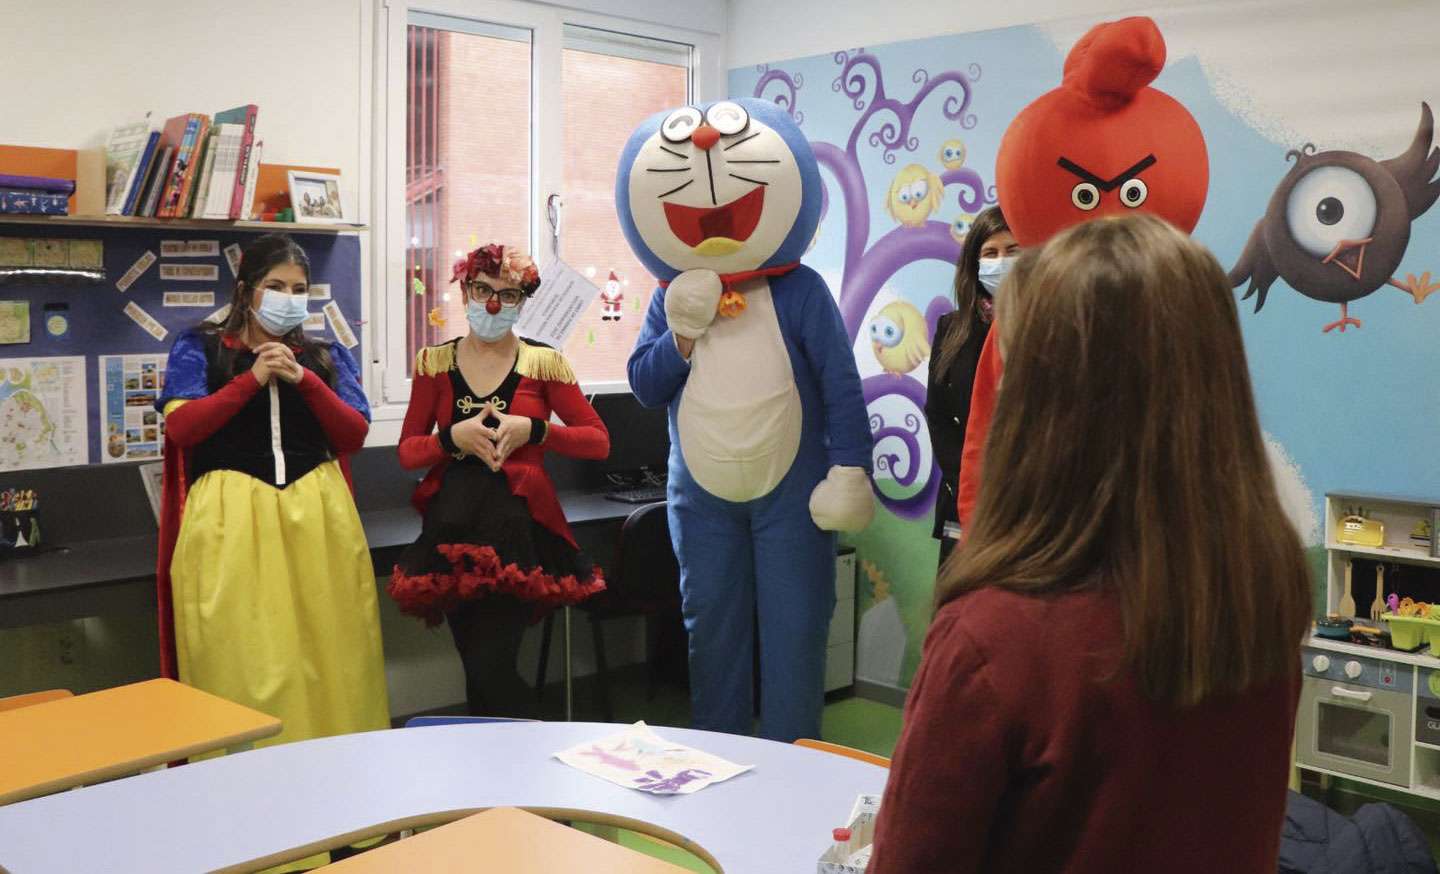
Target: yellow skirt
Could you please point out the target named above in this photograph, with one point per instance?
(275, 604)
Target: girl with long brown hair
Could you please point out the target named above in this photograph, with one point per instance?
(988, 253)
(1111, 678)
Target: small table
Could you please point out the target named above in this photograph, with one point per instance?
(503, 839)
(92, 738)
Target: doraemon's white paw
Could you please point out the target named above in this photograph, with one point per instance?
(842, 501)
(691, 302)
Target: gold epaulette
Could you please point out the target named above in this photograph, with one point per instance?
(543, 363)
(434, 360)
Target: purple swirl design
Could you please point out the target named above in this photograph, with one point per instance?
(884, 124)
(903, 466)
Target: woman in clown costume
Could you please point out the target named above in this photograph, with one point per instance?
(770, 447)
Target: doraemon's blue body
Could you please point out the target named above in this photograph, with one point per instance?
(767, 420)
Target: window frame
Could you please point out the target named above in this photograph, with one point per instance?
(390, 384)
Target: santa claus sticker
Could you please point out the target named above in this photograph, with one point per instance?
(611, 298)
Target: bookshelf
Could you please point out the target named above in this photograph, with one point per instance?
(125, 221)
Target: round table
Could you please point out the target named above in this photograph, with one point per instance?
(263, 803)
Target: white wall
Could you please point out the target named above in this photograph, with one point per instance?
(764, 31)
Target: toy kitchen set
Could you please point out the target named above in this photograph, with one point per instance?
(1370, 699)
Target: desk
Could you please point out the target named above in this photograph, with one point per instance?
(280, 802)
(503, 839)
(89, 738)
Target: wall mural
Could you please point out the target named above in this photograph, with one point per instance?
(906, 134)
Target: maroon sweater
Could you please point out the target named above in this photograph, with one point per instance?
(1018, 756)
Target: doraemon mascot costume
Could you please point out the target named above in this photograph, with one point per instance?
(770, 445)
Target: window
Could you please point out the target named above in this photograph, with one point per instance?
(490, 107)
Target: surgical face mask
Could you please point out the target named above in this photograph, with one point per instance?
(281, 313)
(490, 326)
(993, 270)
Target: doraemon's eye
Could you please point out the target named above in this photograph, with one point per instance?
(727, 117)
(1330, 204)
(885, 332)
(1085, 195)
(681, 124)
(1134, 192)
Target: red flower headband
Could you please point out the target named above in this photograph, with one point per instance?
(508, 264)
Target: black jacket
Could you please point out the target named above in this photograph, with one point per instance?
(947, 407)
(1378, 840)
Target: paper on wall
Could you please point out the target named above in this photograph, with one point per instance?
(219, 316)
(131, 428)
(319, 291)
(146, 321)
(189, 299)
(136, 270)
(189, 248)
(341, 328)
(14, 321)
(554, 312)
(43, 413)
(638, 758)
(232, 257)
(315, 322)
(190, 272)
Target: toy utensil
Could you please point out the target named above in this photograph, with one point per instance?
(1377, 606)
(1347, 601)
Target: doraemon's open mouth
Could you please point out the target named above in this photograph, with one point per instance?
(1348, 255)
(721, 228)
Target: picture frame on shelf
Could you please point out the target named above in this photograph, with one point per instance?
(316, 198)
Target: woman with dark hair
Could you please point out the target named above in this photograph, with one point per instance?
(988, 253)
(266, 589)
(1110, 681)
(494, 550)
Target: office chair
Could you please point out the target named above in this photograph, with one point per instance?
(645, 582)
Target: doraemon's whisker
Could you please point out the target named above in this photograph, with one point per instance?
(747, 179)
(738, 142)
(757, 161)
(667, 170)
(675, 153)
(677, 188)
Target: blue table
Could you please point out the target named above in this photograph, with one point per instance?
(271, 804)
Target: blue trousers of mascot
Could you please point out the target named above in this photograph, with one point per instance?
(770, 444)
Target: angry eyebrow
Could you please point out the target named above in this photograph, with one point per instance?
(1140, 167)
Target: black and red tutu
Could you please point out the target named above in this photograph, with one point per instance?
(479, 540)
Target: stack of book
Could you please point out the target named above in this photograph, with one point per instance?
(192, 167)
(35, 195)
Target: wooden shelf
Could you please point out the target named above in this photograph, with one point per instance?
(126, 221)
(1413, 555)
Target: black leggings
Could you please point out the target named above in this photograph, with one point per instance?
(487, 634)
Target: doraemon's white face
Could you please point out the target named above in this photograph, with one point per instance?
(719, 191)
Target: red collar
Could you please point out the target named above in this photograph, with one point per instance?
(232, 341)
(730, 280)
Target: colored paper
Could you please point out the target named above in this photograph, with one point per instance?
(14, 321)
(189, 299)
(232, 257)
(145, 320)
(190, 272)
(638, 758)
(189, 248)
(136, 271)
(131, 428)
(341, 328)
(42, 413)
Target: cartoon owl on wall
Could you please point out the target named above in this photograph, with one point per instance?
(1338, 224)
(898, 337)
(914, 195)
(952, 154)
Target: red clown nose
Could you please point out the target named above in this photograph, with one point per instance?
(492, 306)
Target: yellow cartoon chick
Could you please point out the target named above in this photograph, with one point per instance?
(960, 226)
(914, 194)
(952, 154)
(898, 336)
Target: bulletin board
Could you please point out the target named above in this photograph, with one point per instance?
(115, 334)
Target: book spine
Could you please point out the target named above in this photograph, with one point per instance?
(122, 159)
(14, 201)
(170, 198)
(157, 182)
(142, 174)
(38, 183)
(188, 184)
(202, 179)
(239, 204)
(252, 178)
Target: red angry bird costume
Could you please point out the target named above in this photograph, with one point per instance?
(1103, 143)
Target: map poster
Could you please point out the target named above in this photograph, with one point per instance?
(131, 428)
(42, 413)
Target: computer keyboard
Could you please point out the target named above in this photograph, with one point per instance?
(645, 495)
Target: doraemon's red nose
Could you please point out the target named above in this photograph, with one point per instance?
(705, 137)
(492, 306)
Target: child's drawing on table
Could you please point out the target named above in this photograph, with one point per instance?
(668, 768)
